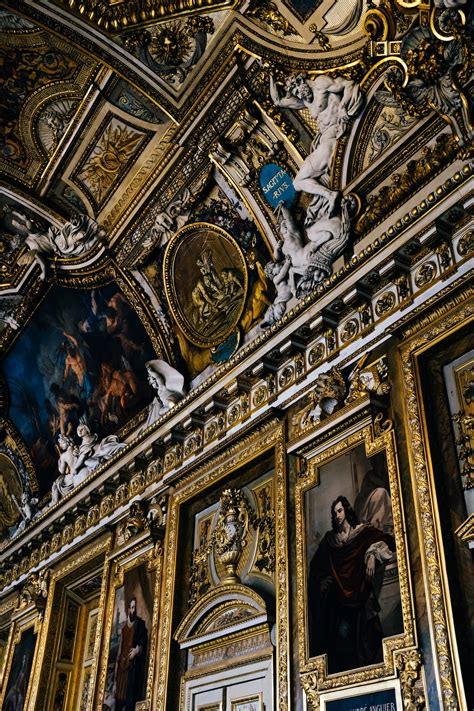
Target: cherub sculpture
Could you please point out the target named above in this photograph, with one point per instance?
(74, 238)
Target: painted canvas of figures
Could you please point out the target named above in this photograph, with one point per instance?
(81, 358)
(353, 593)
(20, 671)
(129, 647)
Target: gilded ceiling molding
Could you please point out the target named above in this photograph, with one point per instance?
(114, 16)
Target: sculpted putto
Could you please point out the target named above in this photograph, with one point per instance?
(71, 240)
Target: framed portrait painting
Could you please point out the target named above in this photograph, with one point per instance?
(15, 696)
(129, 634)
(355, 607)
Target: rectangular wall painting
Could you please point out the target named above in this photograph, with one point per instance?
(353, 588)
(20, 671)
(129, 646)
(81, 357)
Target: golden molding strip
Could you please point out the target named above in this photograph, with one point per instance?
(115, 15)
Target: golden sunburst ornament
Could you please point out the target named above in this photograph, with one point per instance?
(171, 44)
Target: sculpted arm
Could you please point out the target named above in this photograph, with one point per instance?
(287, 102)
(281, 276)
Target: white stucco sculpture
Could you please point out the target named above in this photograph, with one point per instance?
(169, 220)
(313, 251)
(71, 240)
(77, 462)
(332, 102)
(169, 386)
(27, 506)
(67, 459)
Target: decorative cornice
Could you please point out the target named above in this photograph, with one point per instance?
(114, 17)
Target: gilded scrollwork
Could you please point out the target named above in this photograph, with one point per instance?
(268, 436)
(35, 589)
(409, 668)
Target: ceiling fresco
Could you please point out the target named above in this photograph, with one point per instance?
(176, 183)
(81, 358)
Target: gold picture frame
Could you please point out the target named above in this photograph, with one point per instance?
(248, 703)
(383, 694)
(267, 437)
(84, 556)
(427, 333)
(365, 440)
(142, 556)
(26, 631)
(206, 309)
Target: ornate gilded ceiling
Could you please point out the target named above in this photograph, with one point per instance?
(148, 156)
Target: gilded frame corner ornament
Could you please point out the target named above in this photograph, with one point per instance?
(267, 437)
(315, 678)
(426, 333)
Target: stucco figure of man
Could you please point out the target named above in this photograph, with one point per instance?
(130, 670)
(343, 608)
(332, 102)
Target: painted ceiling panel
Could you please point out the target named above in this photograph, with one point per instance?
(81, 358)
(37, 69)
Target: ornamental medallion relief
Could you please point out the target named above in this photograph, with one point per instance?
(205, 279)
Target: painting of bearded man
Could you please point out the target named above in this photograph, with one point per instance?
(343, 607)
(130, 671)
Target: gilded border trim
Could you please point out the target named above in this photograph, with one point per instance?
(314, 670)
(440, 324)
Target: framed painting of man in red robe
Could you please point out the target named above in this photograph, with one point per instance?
(353, 608)
(130, 638)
